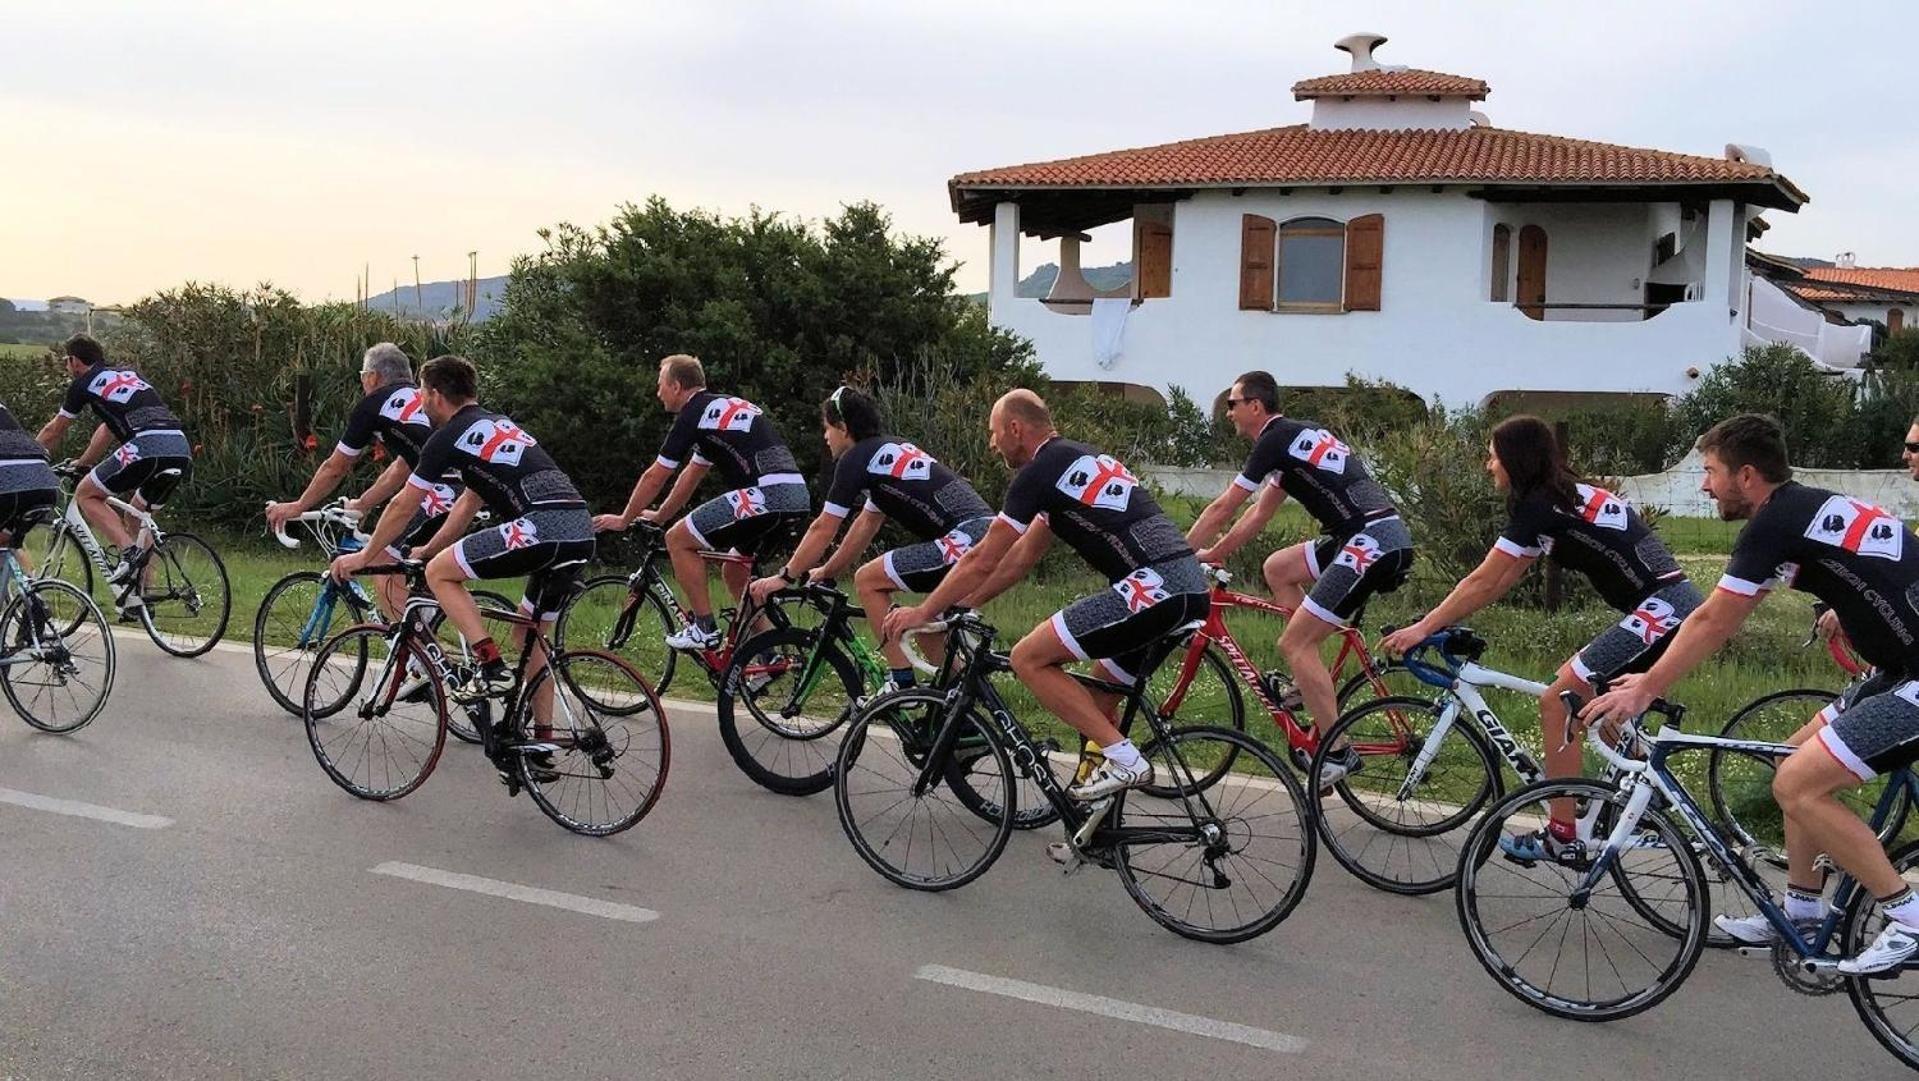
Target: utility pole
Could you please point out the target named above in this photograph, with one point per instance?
(472, 281)
(417, 302)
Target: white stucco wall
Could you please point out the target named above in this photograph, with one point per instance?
(1874, 312)
(1379, 114)
(1437, 332)
(1595, 253)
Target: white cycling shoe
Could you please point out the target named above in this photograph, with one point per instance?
(692, 637)
(1110, 778)
(1894, 947)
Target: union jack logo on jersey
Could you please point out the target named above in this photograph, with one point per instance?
(519, 533)
(1858, 527)
(953, 546)
(116, 386)
(901, 461)
(128, 454)
(1652, 620)
(404, 405)
(728, 415)
(437, 500)
(1141, 589)
(1600, 507)
(746, 502)
(1357, 554)
(1099, 482)
(1319, 448)
(496, 442)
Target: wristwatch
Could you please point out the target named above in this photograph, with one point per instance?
(787, 576)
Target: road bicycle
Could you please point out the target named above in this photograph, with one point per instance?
(377, 706)
(925, 782)
(57, 659)
(304, 609)
(1608, 928)
(184, 598)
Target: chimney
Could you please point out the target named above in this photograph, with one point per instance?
(1845, 260)
(1360, 46)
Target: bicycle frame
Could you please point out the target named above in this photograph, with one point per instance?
(648, 579)
(73, 523)
(1462, 695)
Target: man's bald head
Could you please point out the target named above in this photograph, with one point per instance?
(1019, 424)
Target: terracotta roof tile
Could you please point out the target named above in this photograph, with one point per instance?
(1300, 155)
(1896, 279)
(1381, 83)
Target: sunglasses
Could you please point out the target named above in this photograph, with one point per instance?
(1234, 403)
(1911, 447)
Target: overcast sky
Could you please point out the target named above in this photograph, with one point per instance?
(145, 144)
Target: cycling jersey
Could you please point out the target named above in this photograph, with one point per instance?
(125, 403)
(23, 461)
(733, 435)
(392, 414)
(1857, 558)
(904, 483)
(508, 468)
(1311, 465)
(1094, 504)
(1600, 536)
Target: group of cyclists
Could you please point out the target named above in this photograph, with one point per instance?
(453, 457)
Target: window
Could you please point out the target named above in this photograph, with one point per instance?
(1312, 264)
(1502, 262)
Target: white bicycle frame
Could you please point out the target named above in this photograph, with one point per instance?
(75, 523)
(1465, 693)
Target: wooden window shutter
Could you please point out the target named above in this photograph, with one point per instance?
(1895, 319)
(1257, 238)
(1155, 276)
(1365, 247)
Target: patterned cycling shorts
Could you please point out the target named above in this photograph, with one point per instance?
(143, 464)
(1639, 639)
(1120, 626)
(1347, 573)
(746, 518)
(1873, 726)
(550, 547)
(919, 568)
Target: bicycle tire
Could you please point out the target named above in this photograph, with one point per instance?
(788, 754)
(290, 664)
(338, 731)
(1397, 678)
(34, 623)
(1872, 994)
(588, 621)
(1169, 753)
(1417, 857)
(458, 724)
(1481, 862)
(65, 561)
(1218, 691)
(189, 586)
(881, 764)
(593, 750)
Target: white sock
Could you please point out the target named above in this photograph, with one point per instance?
(1803, 905)
(1124, 755)
(1903, 909)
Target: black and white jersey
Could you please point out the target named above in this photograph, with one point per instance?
(497, 459)
(732, 435)
(125, 403)
(1311, 465)
(1600, 536)
(1096, 505)
(904, 483)
(1856, 557)
(392, 414)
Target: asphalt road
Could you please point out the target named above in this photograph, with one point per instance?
(231, 923)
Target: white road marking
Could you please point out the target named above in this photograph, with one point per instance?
(84, 810)
(1111, 1007)
(532, 895)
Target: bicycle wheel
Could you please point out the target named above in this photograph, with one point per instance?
(784, 693)
(1208, 695)
(1742, 783)
(608, 614)
(606, 769)
(1396, 829)
(186, 596)
(980, 795)
(1214, 861)
(922, 839)
(66, 561)
(59, 679)
(459, 654)
(1398, 680)
(298, 615)
(1594, 958)
(385, 741)
(1888, 1003)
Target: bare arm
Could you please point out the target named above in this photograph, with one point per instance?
(966, 576)
(812, 546)
(644, 491)
(325, 479)
(854, 544)
(1492, 579)
(385, 488)
(1018, 562)
(97, 446)
(682, 492)
(53, 432)
(1214, 518)
(391, 527)
(1702, 634)
(451, 530)
(1250, 523)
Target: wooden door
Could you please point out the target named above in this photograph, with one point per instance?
(1155, 267)
(1895, 320)
(1531, 286)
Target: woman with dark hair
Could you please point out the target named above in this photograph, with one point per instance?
(884, 477)
(1589, 530)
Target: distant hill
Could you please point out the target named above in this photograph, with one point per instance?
(1040, 281)
(1807, 263)
(438, 299)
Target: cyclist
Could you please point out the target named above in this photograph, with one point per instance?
(151, 460)
(1589, 530)
(887, 478)
(1365, 549)
(1864, 563)
(28, 488)
(1093, 503)
(545, 531)
(766, 495)
(391, 413)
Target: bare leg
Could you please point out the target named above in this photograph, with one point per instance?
(1564, 758)
(1299, 644)
(875, 592)
(448, 583)
(1806, 788)
(689, 569)
(1039, 661)
(1288, 574)
(104, 519)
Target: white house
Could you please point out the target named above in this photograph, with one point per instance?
(68, 306)
(1888, 296)
(1398, 235)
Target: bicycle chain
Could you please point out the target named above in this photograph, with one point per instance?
(1785, 965)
